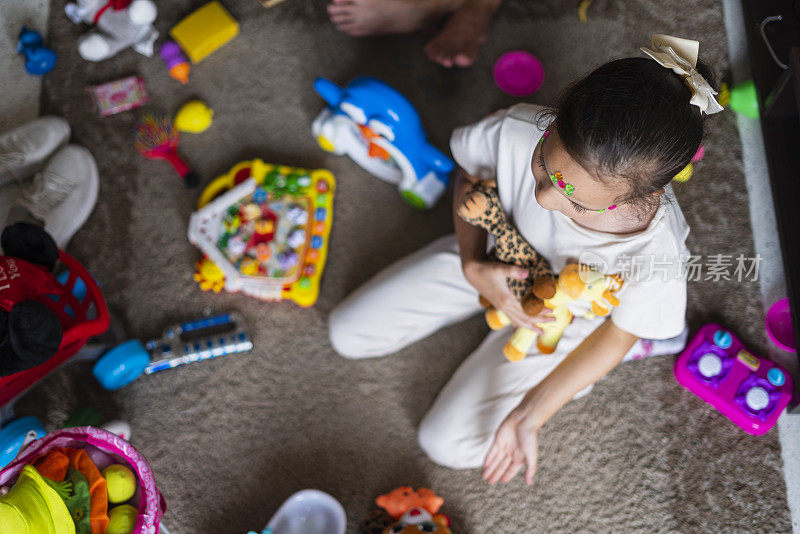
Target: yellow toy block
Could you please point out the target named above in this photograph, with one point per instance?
(204, 31)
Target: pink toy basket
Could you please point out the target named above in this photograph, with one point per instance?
(151, 504)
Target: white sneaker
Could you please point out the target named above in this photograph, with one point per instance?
(24, 149)
(64, 193)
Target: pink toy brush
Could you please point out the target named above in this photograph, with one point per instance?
(156, 138)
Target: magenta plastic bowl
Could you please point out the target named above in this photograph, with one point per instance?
(779, 325)
(518, 73)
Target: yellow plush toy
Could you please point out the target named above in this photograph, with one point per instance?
(575, 282)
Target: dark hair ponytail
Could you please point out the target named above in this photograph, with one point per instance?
(631, 119)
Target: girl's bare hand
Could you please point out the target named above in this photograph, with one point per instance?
(515, 446)
(490, 278)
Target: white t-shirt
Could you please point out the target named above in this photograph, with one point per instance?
(653, 296)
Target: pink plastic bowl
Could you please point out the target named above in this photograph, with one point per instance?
(779, 325)
(518, 73)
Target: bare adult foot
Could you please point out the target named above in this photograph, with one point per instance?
(463, 34)
(370, 17)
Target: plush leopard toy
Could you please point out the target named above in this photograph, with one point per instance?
(481, 207)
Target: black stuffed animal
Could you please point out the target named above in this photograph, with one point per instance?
(30, 332)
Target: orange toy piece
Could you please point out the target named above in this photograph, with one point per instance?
(375, 150)
(401, 499)
(54, 465)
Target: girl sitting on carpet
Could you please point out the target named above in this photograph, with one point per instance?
(617, 138)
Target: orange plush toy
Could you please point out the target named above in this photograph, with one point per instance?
(415, 510)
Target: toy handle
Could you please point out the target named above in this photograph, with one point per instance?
(189, 177)
(214, 189)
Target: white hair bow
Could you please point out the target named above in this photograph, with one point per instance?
(680, 55)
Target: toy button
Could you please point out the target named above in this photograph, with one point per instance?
(319, 228)
(260, 195)
(776, 377)
(316, 242)
(322, 198)
(709, 365)
(305, 282)
(308, 270)
(757, 398)
(322, 186)
(312, 256)
(320, 214)
(748, 360)
(723, 339)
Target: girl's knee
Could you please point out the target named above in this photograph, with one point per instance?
(444, 447)
(354, 336)
(435, 444)
(343, 333)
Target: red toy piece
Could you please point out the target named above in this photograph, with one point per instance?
(155, 137)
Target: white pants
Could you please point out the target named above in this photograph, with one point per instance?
(413, 298)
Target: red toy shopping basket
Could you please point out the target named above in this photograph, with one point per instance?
(81, 318)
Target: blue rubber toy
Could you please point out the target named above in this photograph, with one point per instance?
(380, 130)
(38, 58)
(12, 436)
(121, 365)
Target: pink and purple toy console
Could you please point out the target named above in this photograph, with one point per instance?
(749, 390)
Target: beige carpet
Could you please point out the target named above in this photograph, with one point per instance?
(230, 439)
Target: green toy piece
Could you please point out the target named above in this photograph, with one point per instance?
(85, 416)
(79, 501)
(744, 99)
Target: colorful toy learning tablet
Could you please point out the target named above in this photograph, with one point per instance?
(749, 390)
(264, 230)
